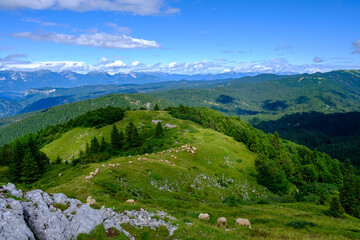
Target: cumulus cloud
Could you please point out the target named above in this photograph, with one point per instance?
(102, 40)
(318, 60)
(140, 7)
(356, 46)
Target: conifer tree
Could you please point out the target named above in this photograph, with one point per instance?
(103, 145)
(159, 132)
(336, 209)
(276, 141)
(16, 163)
(30, 171)
(129, 133)
(156, 107)
(94, 145)
(136, 140)
(58, 160)
(116, 139)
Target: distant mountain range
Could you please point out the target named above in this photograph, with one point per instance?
(13, 82)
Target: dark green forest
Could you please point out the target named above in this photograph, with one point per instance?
(336, 134)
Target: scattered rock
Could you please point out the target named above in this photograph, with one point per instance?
(47, 217)
(12, 189)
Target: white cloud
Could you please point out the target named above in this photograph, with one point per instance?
(136, 63)
(140, 7)
(318, 60)
(102, 40)
(356, 46)
(277, 66)
(103, 60)
(118, 28)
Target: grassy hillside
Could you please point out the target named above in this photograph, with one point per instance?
(219, 178)
(32, 123)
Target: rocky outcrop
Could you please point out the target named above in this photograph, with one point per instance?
(45, 217)
(12, 223)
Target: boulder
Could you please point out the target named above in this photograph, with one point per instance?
(45, 221)
(12, 223)
(10, 187)
(85, 220)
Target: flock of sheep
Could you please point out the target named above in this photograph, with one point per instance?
(221, 222)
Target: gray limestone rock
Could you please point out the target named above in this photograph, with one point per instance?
(12, 189)
(85, 220)
(12, 223)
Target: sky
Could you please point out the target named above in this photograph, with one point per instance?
(175, 36)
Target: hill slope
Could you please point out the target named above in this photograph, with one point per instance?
(220, 178)
(32, 123)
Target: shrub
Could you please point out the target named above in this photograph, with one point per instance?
(300, 224)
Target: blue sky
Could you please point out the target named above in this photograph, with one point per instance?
(180, 36)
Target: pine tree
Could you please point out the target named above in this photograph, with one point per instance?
(116, 139)
(159, 132)
(156, 108)
(129, 133)
(103, 145)
(276, 141)
(336, 209)
(58, 160)
(94, 145)
(30, 171)
(136, 140)
(16, 163)
(348, 193)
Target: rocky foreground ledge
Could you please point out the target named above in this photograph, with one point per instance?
(39, 215)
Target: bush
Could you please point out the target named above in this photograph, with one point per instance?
(300, 224)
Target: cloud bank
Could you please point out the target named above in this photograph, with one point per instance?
(18, 62)
(102, 40)
(138, 7)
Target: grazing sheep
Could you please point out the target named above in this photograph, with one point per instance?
(130, 162)
(204, 216)
(131, 201)
(221, 222)
(60, 174)
(90, 201)
(243, 222)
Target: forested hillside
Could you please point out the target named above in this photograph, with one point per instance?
(336, 91)
(336, 134)
(34, 122)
